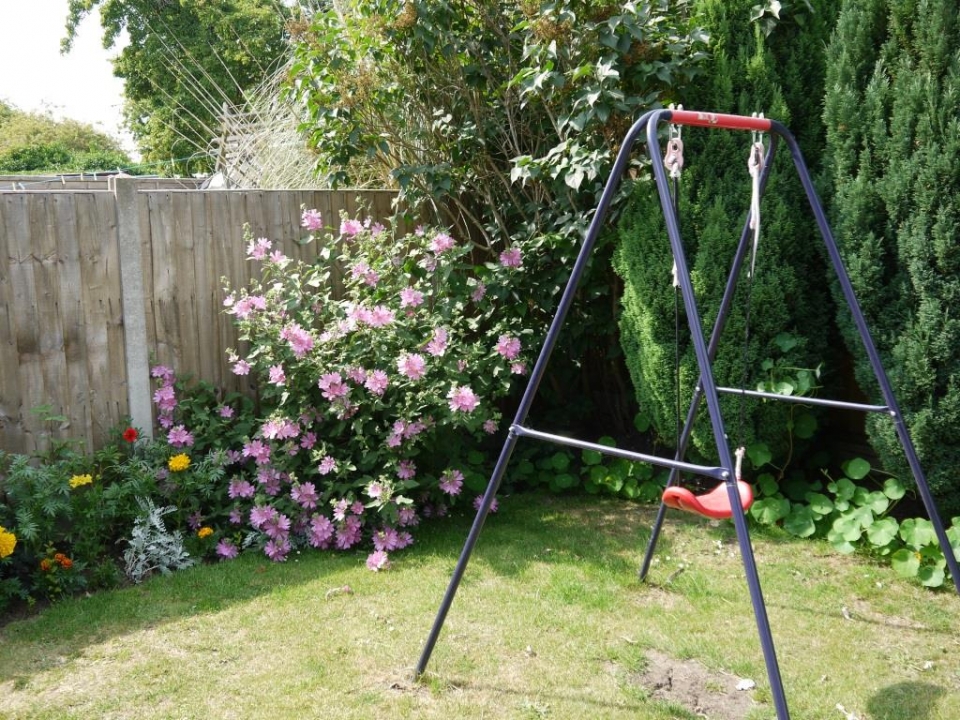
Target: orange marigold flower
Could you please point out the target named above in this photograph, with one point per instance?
(204, 532)
(66, 563)
(179, 462)
(45, 565)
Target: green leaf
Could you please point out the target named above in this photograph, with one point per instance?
(839, 543)
(800, 521)
(769, 511)
(905, 563)
(883, 532)
(767, 484)
(560, 461)
(641, 421)
(931, 577)
(843, 489)
(856, 469)
(819, 504)
(804, 426)
(917, 532)
(591, 457)
(759, 454)
(894, 489)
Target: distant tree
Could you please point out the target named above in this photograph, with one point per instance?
(38, 143)
(184, 60)
(893, 151)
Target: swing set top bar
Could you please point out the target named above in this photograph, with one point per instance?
(717, 120)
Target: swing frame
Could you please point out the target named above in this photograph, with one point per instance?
(706, 388)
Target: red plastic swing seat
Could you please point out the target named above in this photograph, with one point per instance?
(714, 504)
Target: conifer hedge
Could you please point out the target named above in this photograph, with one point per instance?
(892, 114)
(780, 74)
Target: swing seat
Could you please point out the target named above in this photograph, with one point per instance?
(714, 504)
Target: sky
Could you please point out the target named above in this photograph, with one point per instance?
(34, 75)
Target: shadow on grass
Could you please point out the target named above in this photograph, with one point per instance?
(64, 629)
(905, 701)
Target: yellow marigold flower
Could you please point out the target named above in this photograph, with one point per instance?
(178, 462)
(204, 532)
(8, 541)
(78, 480)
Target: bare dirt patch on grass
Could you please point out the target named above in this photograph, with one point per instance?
(690, 684)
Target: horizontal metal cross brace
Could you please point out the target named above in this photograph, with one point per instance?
(716, 472)
(805, 400)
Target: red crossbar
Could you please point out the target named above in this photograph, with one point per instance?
(718, 120)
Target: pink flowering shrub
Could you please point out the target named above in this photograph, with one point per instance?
(380, 367)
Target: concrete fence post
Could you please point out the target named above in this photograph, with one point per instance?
(134, 306)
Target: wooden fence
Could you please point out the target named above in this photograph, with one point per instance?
(95, 286)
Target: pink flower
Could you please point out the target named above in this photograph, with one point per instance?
(305, 494)
(451, 482)
(277, 376)
(438, 344)
(240, 488)
(462, 399)
(226, 411)
(259, 514)
(511, 258)
(179, 437)
(377, 382)
(227, 550)
(478, 501)
(277, 550)
(375, 490)
(410, 297)
(165, 398)
(258, 249)
(407, 517)
(380, 316)
(376, 229)
(332, 386)
(412, 366)
(490, 426)
(312, 220)
(479, 292)
(257, 450)
(508, 347)
(386, 539)
(321, 531)
(348, 534)
(441, 243)
(308, 440)
(241, 367)
(378, 560)
(407, 470)
(163, 372)
(350, 228)
(357, 374)
(300, 341)
(278, 258)
(327, 465)
(518, 368)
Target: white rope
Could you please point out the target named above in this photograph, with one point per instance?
(740, 452)
(755, 166)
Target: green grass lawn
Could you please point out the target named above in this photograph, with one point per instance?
(550, 622)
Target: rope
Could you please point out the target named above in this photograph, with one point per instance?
(755, 165)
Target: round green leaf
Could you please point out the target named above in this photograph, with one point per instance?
(800, 521)
(838, 542)
(759, 454)
(856, 469)
(917, 532)
(805, 426)
(820, 504)
(905, 563)
(894, 489)
(641, 421)
(560, 461)
(769, 511)
(883, 532)
(931, 577)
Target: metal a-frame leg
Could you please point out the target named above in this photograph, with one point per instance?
(722, 315)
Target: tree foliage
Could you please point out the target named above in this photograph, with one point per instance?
(36, 142)
(505, 116)
(183, 61)
(754, 66)
(893, 135)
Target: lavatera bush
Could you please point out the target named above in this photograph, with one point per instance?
(379, 368)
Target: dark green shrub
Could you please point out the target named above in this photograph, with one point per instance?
(893, 150)
(781, 75)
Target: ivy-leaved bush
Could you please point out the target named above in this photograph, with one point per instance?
(781, 75)
(893, 150)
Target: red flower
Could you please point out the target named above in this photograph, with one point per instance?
(130, 435)
(45, 565)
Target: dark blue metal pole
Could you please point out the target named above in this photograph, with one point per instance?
(536, 375)
(885, 388)
(719, 433)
